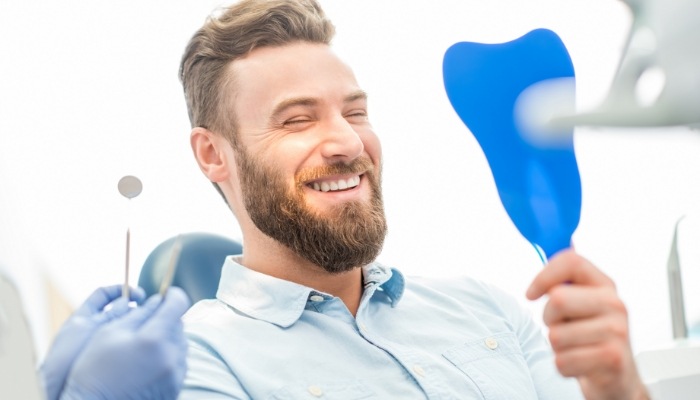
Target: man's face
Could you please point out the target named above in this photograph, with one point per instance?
(309, 162)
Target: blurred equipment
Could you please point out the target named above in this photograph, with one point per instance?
(18, 378)
(197, 267)
(675, 290)
(658, 80)
(658, 84)
(170, 271)
(673, 371)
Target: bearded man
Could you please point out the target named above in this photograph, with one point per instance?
(281, 127)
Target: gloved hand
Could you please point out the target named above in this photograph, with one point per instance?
(77, 331)
(138, 356)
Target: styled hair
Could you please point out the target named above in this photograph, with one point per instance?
(235, 32)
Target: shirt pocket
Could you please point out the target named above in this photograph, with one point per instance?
(353, 390)
(496, 366)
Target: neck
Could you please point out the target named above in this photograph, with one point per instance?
(265, 255)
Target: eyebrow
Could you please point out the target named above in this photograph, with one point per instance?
(311, 101)
(358, 95)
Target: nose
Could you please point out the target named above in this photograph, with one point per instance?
(341, 142)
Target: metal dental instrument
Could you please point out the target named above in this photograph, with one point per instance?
(130, 187)
(170, 272)
(675, 289)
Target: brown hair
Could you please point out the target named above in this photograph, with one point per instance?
(234, 33)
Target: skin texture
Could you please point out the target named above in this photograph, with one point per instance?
(588, 327)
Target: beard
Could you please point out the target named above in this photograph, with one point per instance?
(347, 236)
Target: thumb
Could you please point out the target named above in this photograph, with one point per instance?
(136, 317)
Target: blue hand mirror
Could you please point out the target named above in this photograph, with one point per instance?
(538, 181)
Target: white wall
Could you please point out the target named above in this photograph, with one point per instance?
(89, 93)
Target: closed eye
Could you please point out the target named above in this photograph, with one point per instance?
(357, 116)
(297, 122)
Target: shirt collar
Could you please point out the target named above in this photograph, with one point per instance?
(282, 302)
(390, 280)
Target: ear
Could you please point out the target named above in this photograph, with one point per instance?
(212, 152)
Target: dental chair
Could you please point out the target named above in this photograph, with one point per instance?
(198, 262)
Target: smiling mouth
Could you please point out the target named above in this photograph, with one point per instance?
(335, 185)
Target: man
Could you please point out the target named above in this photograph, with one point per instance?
(280, 126)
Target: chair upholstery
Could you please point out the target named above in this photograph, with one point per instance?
(198, 267)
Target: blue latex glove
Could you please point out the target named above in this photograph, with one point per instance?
(138, 356)
(77, 331)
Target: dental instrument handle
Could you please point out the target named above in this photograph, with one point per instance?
(125, 288)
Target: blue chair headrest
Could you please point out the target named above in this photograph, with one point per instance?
(198, 267)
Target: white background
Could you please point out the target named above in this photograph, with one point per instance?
(89, 93)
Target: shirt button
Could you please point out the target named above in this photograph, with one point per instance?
(363, 327)
(491, 343)
(419, 370)
(315, 390)
(316, 298)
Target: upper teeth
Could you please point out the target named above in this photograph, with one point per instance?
(340, 184)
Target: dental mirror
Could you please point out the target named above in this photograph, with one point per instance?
(129, 187)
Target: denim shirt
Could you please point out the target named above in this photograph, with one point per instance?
(456, 338)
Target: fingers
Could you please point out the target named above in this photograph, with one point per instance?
(174, 305)
(588, 326)
(98, 300)
(136, 317)
(157, 312)
(605, 360)
(137, 294)
(572, 302)
(566, 267)
(587, 332)
(103, 296)
(119, 307)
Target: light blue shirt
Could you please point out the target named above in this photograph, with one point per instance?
(455, 338)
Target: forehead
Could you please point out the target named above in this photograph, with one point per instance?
(270, 75)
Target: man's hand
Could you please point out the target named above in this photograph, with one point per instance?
(588, 328)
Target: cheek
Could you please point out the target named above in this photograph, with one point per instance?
(372, 146)
(291, 155)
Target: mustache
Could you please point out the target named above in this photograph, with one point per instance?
(357, 166)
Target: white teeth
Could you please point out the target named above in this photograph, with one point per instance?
(340, 184)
